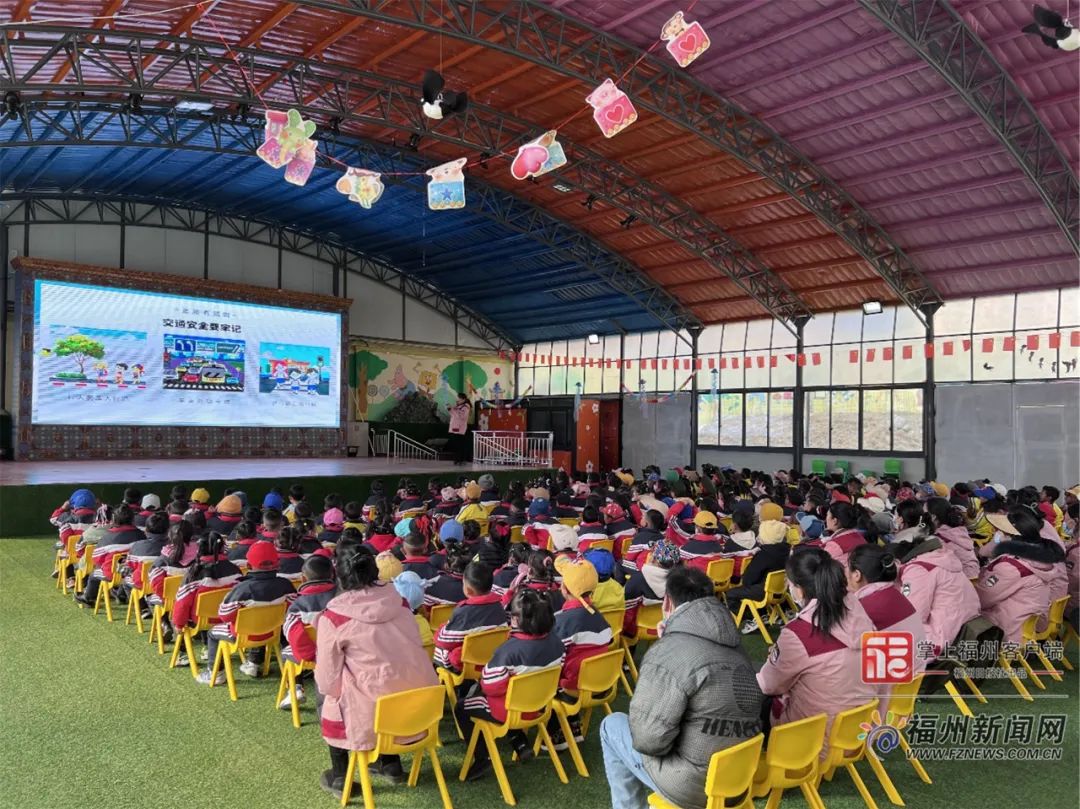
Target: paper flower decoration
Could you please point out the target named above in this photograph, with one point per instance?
(686, 41)
(361, 185)
(446, 189)
(538, 157)
(612, 108)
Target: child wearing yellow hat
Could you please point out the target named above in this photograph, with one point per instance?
(705, 545)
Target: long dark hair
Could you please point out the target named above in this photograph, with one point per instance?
(821, 577)
(356, 568)
(943, 513)
(531, 612)
(845, 514)
(874, 562)
(179, 535)
(911, 513)
(211, 547)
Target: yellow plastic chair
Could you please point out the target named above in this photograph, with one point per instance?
(602, 544)
(953, 691)
(721, 571)
(530, 693)
(1018, 684)
(773, 602)
(290, 671)
(439, 615)
(1029, 645)
(85, 567)
(517, 533)
(66, 560)
(430, 649)
(901, 707)
(402, 716)
(730, 776)
(846, 749)
(624, 546)
(573, 522)
(476, 651)
(206, 608)
(137, 597)
(262, 620)
(791, 760)
(1055, 630)
(649, 617)
(598, 685)
(615, 618)
(168, 592)
(108, 584)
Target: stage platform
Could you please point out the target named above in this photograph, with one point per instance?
(30, 490)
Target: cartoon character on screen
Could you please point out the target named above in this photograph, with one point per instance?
(294, 380)
(102, 369)
(121, 369)
(311, 379)
(137, 372)
(277, 373)
(612, 109)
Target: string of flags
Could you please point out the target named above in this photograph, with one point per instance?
(288, 139)
(1051, 341)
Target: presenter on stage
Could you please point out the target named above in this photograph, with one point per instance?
(459, 428)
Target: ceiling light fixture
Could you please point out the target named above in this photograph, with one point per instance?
(594, 339)
(872, 308)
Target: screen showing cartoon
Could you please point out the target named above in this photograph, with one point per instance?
(117, 356)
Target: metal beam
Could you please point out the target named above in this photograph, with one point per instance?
(944, 40)
(567, 46)
(41, 208)
(365, 99)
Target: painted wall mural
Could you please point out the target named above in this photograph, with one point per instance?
(403, 383)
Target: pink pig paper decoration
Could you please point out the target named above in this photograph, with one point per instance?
(612, 109)
(538, 156)
(446, 189)
(685, 41)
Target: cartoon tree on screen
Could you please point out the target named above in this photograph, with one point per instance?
(80, 348)
(465, 377)
(363, 366)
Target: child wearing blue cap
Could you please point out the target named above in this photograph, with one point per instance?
(608, 594)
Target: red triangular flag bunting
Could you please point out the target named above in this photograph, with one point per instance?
(816, 358)
(663, 364)
(653, 363)
(697, 364)
(723, 360)
(686, 365)
(1033, 342)
(947, 348)
(800, 360)
(853, 356)
(928, 350)
(988, 345)
(772, 360)
(906, 352)
(966, 344)
(886, 354)
(870, 354)
(502, 354)
(1055, 340)
(1074, 339)
(712, 363)
(760, 362)
(1009, 344)
(734, 362)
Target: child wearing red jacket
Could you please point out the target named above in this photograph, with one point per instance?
(311, 599)
(115, 541)
(210, 571)
(481, 610)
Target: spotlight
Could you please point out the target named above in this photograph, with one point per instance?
(191, 105)
(628, 221)
(562, 188)
(589, 200)
(594, 339)
(12, 105)
(872, 308)
(413, 143)
(135, 102)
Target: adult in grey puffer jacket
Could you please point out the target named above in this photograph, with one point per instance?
(697, 694)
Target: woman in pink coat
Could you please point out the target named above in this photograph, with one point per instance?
(814, 667)
(871, 576)
(932, 579)
(368, 645)
(840, 521)
(1025, 575)
(950, 527)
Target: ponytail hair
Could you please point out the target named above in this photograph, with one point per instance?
(845, 514)
(519, 553)
(820, 577)
(289, 538)
(943, 513)
(531, 612)
(211, 547)
(179, 535)
(356, 568)
(910, 512)
(874, 562)
(542, 565)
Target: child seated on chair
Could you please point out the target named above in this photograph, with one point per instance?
(148, 505)
(210, 571)
(178, 554)
(705, 544)
(262, 585)
(228, 514)
(290, 562)
(449, 586)
(246, 537)
(147, 549)
(311, 599)
(539, 576)
(333, 523)
(200, 501)
(583, 630)
(532, 646)
(381, 534)
(115, 540)
(646, 586)
(411, 590)
(609, 593)
(481, 610)
(651, 532)
(591, 528)
(296, 497)
(417, 559)
(271, 524)
(505, 575)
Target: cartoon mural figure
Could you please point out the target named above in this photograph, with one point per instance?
(496, 391)
(399, 383)
(426, 381)
(120, 369)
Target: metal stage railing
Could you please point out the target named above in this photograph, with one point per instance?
(506, 448)
(401, 447)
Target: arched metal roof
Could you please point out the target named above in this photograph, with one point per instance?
(816, 156)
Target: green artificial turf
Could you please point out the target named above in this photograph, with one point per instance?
(90, 716)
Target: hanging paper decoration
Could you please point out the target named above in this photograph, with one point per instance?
(446, 190)
(287, 142)
(577, 399)
(715, 383)
(538, 157)
(641, 396)
(361, 185)
(686, 41)
(612, 108)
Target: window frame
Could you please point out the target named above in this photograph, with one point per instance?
(768, 419)
(861, 451)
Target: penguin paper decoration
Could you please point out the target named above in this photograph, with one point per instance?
(438, 103)
(1065, 37)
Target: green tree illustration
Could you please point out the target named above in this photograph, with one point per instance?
(465, 376)
(363, 366)
(80, 348)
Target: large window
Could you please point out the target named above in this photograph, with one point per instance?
(866, 420)
(746, 419)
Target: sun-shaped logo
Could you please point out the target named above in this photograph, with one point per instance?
(883, 737)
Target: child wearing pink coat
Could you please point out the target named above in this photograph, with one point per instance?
(841, 520)
(1025, 575)
(932, 579)
(368, 645)
(871, 576)
(951, 528)
(815, 665)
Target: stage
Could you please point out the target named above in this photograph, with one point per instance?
(30, 490)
